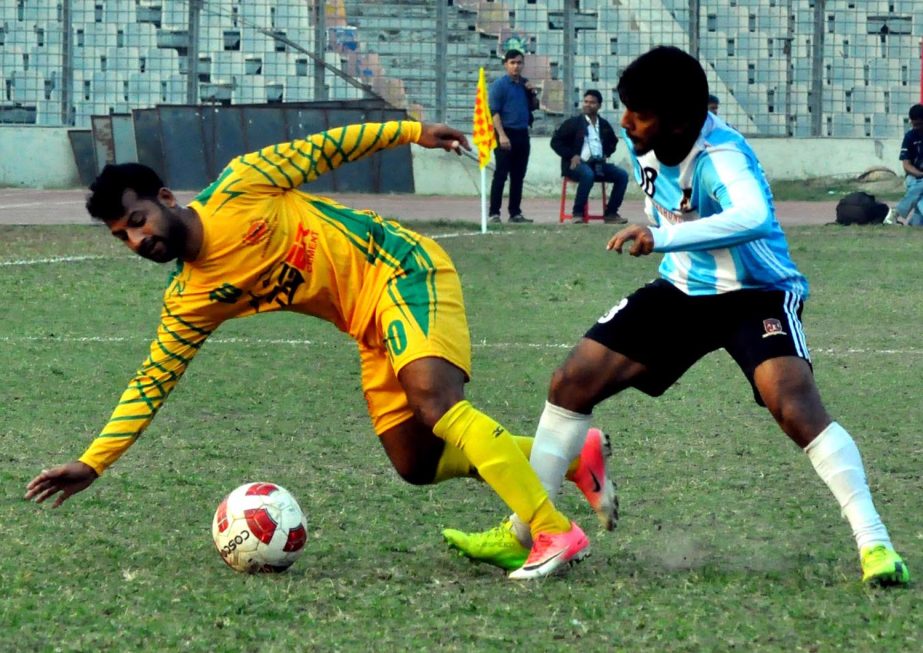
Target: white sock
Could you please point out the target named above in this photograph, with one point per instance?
(559, 439)
(837, 461)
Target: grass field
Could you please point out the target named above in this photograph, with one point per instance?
(728, 540)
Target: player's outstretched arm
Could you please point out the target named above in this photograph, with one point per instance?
(67, 479)
(288, 165)
(438, 136)
(642, 240)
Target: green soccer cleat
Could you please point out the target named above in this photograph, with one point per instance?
(882, 565)
(497, 546)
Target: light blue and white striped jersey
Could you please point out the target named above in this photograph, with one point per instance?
(712, 216)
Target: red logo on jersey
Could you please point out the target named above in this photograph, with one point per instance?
(772, 327)
(256, 232)
(301, 253)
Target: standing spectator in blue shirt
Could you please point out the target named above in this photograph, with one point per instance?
(512, 99)
(911, 205)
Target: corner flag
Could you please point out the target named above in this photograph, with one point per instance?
(483, 131)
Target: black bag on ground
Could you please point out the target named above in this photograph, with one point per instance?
(860, 208)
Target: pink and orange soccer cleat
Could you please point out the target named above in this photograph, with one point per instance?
(592, 479)
(552, 552)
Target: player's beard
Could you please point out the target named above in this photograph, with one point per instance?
(641, 148)
(169, 245)
(671, 148)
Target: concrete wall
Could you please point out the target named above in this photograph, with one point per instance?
(36, 157)
(41, 157)
(782, 158)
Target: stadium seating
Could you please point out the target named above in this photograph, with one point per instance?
(126, 51)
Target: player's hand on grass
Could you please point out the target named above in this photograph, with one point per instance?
(68, 479)
(642, 240)
(439, 136)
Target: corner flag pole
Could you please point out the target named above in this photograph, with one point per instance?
(483, 200)
(484, 139)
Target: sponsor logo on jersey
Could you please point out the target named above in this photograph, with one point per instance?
(257, 232)
(276, 286)
(301, 253)
(772, 327)
(673, 217)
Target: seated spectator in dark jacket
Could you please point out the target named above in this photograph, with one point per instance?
(911, 205)
(584, 143)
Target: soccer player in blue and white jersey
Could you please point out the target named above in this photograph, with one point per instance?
(726, 281)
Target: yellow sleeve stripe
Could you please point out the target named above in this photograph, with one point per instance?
(277, 167)
(190, 326)
(356, 145)
(291, 161)
(381, 128)
(140, 400)
(141, 386)
(397, 134)
(168, 355)
(312, 173)
(323, 150)
(194, 344)
(132, 418)
(261, 171)
(170, 373)
(176, 343)
(140, 390)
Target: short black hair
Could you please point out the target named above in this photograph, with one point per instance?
(713, 99)
(510, 54)
(916, 112)
(105, 199)
(669, 83)
(594, 93)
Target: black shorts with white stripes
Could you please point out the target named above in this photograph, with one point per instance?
(668, 331)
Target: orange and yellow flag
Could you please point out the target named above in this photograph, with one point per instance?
(483, 133)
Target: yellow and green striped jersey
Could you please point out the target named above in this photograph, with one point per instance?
(268, 246)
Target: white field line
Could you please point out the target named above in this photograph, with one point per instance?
(56, 259)
(4, 207)
(482, 344)
(79, 258)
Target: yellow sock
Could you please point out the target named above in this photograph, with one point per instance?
(501, 463)
(455, 464)
(525, 445)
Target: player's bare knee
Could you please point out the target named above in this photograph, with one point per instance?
(417, 473)
(800, 416)
(431, 408)
(569, 391)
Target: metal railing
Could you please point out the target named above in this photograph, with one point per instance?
(779, 67)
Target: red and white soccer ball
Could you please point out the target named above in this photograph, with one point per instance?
(259, 527)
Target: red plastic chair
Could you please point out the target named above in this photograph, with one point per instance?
(564, 216)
